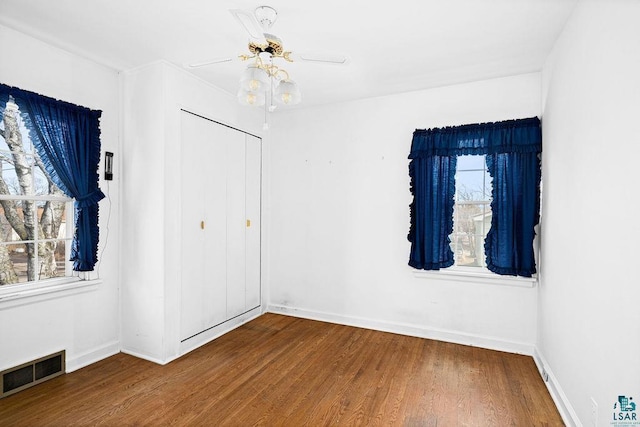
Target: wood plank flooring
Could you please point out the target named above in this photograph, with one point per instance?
(284, 371)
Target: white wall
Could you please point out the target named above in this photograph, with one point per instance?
(589, 312)
(85, 324)
(339, 216)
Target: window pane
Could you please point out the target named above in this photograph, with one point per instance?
(40, 182)
(8, 175)
(29, 208)
(470, 185)
(14, 263)
(483, 223)
(52, 259)
(16, 209)
(471, 162)
(467, 234)
(52, 219)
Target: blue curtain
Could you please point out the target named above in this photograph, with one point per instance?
(67, 138)
(512, 148)
(515, 206)
(433, 188)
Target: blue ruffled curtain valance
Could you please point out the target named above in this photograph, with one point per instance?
(509, 136)
(512, 149)
(67, 138)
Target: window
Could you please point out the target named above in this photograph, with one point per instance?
(445, 192)
(471, 211)
(36, 218)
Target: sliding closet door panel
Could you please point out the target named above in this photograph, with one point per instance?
(214, 195)
(252, 236)
(193, 135)
(220, 172)
(203, 224)
(236, 224)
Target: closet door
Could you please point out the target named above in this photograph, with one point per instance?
(214, 194)
(253, 162)
(243, 226)
(236, 225)
(220, 206)
(203, 170)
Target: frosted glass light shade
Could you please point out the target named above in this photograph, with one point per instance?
(246, 97)
(254, 79)
(287, 93)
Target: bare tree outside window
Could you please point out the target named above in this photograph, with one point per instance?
(34, 238)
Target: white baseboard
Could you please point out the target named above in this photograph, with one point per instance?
(213, 333)
(144, 356)
(200, 339)
(568, 414)
(92, 356)
(490, 343)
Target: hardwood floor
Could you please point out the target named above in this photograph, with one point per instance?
(285, 371)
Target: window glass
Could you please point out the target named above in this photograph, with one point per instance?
(471, 212)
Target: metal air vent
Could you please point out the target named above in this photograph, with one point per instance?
(28, 374)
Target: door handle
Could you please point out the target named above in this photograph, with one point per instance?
(202, 225)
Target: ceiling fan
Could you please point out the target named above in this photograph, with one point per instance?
(264, 82)
(263, 44)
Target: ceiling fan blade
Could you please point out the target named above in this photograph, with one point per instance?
(327, 58)
(250, 24)
(210, 62)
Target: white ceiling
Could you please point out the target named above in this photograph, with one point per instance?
(392, 46)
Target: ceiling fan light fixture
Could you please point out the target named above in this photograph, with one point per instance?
(252, 99)
(254, 79)
(287, 93)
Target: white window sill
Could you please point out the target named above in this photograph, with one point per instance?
(476, 275)
(28, 293)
